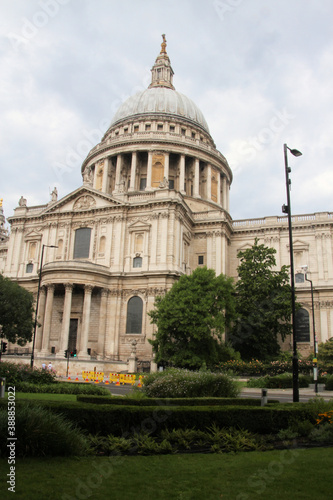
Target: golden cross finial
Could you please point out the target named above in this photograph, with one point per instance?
(163, 45)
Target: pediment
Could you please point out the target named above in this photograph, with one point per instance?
(83, 200)
(139, 225)
(33, 235)
(299, 245)
(244, 247)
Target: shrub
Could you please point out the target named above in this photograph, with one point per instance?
(41, 432)
(256, 367)
(284, 381)
(329, 383)
(175, 383)
(15, 373)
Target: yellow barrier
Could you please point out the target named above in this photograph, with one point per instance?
(114, 378)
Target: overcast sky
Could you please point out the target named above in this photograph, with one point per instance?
(260, 71)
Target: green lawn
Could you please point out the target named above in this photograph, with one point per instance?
(295, 474)
(44, 396)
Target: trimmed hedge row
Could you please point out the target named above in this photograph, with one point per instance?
(171, 402)
(126, 420)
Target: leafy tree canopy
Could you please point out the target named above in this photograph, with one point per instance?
(16, 312)
(263, 304)
(191, 319)
(325, 355)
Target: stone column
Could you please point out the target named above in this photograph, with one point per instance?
(166, 165)
(133, 171)
(66, 316)
(196, 188)
(41, 315)
(328, 238)
(224, 192)
(323, 327)
(85, 321)
(218, 188)
(118, 174)
(182, 174)
(209, 182)
(110, 323)
(149, 169)
(47, 320)
(102, 324)
(319, 253)
(218, 250)
(153, 247)
(105, 175)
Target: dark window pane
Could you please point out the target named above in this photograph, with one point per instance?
(82, 243)
(171, 184)
(299, 278)
(200, 259)
(302, 326)
(29, 268)
(143, 184)
(137, 262)
(134, 315)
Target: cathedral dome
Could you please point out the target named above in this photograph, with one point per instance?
(160, 100)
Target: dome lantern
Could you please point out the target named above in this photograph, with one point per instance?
(162, 72)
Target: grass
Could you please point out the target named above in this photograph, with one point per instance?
(290, 474)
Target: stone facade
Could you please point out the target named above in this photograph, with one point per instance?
(154, 204)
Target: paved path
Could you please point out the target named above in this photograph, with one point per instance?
(286, 395)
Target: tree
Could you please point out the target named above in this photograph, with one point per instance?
(191, 319)
(325, 355)
(263, 304)
(16, 312)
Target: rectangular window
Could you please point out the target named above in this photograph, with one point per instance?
(136, 128)
(82, 243)
(172, 128)
(147, 127)
(143, 183)
(171, 184)
(200, 260)
(159, 126)
(183, 131)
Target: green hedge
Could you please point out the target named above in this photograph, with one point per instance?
(180, 383)
(126, 420)
(172, 402)
(15, 373)
(284, 381)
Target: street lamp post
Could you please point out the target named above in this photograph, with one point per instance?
(287, 209)
(36, 311)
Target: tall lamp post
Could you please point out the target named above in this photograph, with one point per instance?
(315, 351)
(287, 210)
(36, 311)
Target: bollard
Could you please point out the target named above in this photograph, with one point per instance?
(263, 397)
(2, 387)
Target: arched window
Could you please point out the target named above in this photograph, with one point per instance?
(29, 268)
(299, 278)
(134, 315)
(82, 243)
(102, 242)
(302, 325)
(60, 246)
